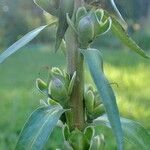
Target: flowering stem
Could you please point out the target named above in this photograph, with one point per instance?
(76, 117)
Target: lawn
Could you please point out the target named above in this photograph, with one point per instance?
(128, 73)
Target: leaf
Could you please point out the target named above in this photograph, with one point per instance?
(133, 132)
(121, 34)
(66, 7)
(39, 127)
(71, 24)
(22, 42)
(50, 6)
(95, 64)
(117, 14)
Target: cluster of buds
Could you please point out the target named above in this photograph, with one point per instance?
(88, 139)
(59, 86)
(59, 9)
(90, 25)
(93, 103)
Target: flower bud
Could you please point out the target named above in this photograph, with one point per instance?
(98, 111)
(85, 31)
(78, 140)
(57, 73)
(89, 101)
(58, 91)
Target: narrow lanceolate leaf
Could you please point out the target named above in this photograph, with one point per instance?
(39, 127)
(122, 35)
(65, 7)
(22, 42)
(117, 14)
(50, 6)
(95, 63)
(133, 132)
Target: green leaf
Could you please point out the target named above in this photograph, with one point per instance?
(39, 127)
(95, 63)
(117, 14)
(121, 34)
(22, 42)
(50, 6)
(133, 132)
(66, 7)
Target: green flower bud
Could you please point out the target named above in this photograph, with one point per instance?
(80, 13)
(78, 140)
(89, 101)
(57, 73)
(85, 31)
(98, 111)
(97, 143)
(58, 91)
(41, 86)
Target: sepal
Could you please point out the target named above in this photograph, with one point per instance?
(97, 143)
(41, 86)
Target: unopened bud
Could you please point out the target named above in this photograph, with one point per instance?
(58, 91)
(85, 31)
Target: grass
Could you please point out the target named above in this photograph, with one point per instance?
(19, 97)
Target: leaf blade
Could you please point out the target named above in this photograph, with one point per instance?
(38, 127)
(65, 7)
(95, 64)
(122, 35)
(50, 7)
(133, 131)
(22, 42)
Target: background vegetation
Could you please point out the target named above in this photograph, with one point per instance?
(18, 95)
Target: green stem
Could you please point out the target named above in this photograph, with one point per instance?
(76, 117)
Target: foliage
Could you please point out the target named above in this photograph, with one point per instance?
(84, 25)
(23, 95)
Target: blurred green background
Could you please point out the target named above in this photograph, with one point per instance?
(18, 95)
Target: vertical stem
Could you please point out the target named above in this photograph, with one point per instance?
(76, 117)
